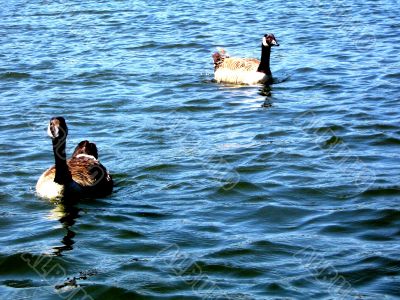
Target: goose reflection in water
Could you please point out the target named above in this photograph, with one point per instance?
(266, 89)
(66, 213)
(266, 92)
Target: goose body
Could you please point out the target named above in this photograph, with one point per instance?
(80, 176)
(240, 71)
(89, 178)
(245, 70)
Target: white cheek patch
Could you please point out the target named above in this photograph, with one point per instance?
(49, 133)
(264, 41)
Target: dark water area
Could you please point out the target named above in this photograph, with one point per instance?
(222, 192)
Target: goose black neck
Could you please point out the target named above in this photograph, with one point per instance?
(264, 64)
(63, 175)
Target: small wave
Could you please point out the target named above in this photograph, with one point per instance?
(337, 229)
(367, 270)
(18, 284)
(231, 252)
(392, 76)
(240, 186)
(334, 140)
(152, 215)
(144, 45)
(28, 263)
(386, 218)
(380, 126)
(305, 70)
(181, 46)
(14, 75)
(195, 108)
(99, 74)
(227, 270)
(102, 291)
(382, 191)
(128, 234)
(386, 141)
(161, 167)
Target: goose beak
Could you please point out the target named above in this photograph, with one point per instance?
(275, 43)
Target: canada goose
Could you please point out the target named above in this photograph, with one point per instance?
(245, 70)
(82, 175)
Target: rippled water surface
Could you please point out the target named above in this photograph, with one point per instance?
(222, 192)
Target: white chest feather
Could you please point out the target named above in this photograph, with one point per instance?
(47, 188)
(239, 77)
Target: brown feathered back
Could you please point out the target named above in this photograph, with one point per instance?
(89, 173)
(240, 64)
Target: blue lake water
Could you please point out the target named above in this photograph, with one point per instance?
(222, 192)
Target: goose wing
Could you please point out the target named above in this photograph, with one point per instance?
(240, 64)
(88, 172)
(85, 171)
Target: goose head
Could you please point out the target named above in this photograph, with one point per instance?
(57, 128)
(87, 148)
(269, 40)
